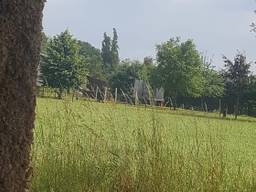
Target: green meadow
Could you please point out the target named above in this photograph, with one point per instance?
(84, 146)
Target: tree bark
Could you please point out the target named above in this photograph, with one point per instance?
(237, 106)
(59, 93)
(20, 40)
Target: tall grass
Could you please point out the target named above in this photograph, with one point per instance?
(85, 146)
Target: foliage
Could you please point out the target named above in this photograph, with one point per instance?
(92, 58)
(180, 68)
(115, 49)
(106, 54)
(189, 79)
(213, 81)
(253, 25)
(110, 53)
(45, 41)
(250, 97)
(62, 66)
(236, 75)
(146, 71)
(125, 76)
(44, 45)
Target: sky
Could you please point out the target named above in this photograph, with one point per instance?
(218, 27)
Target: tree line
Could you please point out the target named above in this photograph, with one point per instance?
(188, 77)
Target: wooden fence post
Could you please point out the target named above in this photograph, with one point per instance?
(136, 98)
(220, 104)
(97, 91)
(206, 107)
(116, 95)
(105, 94)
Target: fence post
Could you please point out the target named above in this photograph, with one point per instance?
(136, 98)
(220, 104)
(97, 91)
(171, 102)
(43, 91)
(124, 96)
(206, 106)
(116, 95)
(105, 94)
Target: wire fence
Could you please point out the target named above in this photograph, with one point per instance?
(119, 96)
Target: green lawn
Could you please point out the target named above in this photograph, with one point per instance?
(86, 146)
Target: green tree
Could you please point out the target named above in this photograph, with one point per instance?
(213, 84)
(115, 50)
(110, 53)
(236, 76)
(63, 68)
(251, 96)
(125, 76)
(93, 59)
(44, 44)
(146, 70)
(213, 81)
(106, 54)
(180, 69)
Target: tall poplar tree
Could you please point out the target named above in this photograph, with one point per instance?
(110, 53)
(115, 50)
(106, 54)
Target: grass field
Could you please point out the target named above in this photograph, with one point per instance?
(86, 146)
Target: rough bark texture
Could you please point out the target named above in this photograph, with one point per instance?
(20, 39)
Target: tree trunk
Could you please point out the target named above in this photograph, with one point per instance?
(237, 106)
(220, 108)
(175, 101)
(20, 39)
(224, 110)
(202, 103)
(59, 93)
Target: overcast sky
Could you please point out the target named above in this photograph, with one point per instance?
(217, 26)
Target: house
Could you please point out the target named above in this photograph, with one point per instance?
(145, 94)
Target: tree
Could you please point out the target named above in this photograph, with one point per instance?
(20, 41)
(45, 41)
(115, 50)
(236, 76)
(44, 45)
(253, 25)
(93, 59)
(106, 54)
(125, 76)
(213, 85)
(110, 53)
(180, 69)
(213, 81)
(146, 70)
(251, 96)
(63, 68)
